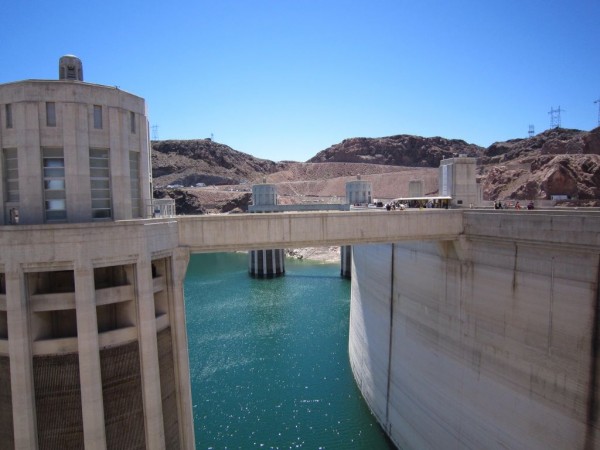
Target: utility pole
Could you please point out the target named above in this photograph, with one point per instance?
(531, 131)
(154, 132)
(598, 101)
(555, 117)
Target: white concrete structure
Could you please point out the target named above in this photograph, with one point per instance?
(458, 179)
(265, 263)
(264, 194)
(72, 152)
(222, 233)
(70, 68)
(93, 346)
(415, 188)
(359, 192)
(487, 341)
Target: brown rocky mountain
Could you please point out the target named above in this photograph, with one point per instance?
(188, 162)
(556, 162)
(400, 150)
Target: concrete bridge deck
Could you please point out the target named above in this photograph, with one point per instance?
(221, 233)
(315, 229)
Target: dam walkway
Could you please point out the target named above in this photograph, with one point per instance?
(220, 233)
(233, 232)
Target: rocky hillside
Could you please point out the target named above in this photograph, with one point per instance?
(555, 162)
(400, 150)
(190, 162)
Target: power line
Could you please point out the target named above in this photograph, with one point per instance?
(555, 117)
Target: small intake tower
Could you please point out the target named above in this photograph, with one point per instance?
(265, 263)
(358, 193)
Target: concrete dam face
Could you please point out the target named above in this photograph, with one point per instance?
(489, 341)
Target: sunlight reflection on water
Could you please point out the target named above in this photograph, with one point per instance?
(269, 359)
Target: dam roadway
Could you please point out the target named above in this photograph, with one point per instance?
(219, 233)
(233, 232)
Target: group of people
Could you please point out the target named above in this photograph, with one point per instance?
(395, 205)
(435, 203)
(508, 205)
(417, 204)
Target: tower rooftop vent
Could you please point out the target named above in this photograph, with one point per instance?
(70, 68)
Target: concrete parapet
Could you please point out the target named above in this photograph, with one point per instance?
(571, 228)
(299, 208)
(315, 229)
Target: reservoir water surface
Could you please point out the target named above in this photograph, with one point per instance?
(269, 358)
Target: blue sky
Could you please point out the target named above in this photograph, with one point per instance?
(283, 80)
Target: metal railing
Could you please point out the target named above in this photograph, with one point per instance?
(161, 207)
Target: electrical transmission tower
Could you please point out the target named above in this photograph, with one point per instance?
(555, 117)
(155, 132)
(531, 131)
(598, 101)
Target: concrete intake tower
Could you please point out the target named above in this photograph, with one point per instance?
(265, 263)
(93, 346)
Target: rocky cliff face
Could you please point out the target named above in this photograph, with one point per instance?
(550, 142)
(555, 162)
(401, 150)
(189, 162)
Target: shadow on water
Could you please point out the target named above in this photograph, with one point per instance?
(293, 276)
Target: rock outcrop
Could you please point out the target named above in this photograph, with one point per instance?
(400, 150)
(189, 162)
(551, 142)
(557, 162)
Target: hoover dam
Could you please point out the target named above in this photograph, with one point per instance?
(486, 341)
(469, 328)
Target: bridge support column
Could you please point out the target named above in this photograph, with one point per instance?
(346, 261)
(266, 263)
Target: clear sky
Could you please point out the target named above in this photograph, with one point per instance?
(285, 79)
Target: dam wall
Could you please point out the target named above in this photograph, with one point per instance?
(487, 341)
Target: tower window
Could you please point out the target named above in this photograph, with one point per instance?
(132, 120)
(11, 175)
(134, 179)
(100, 183)
(9, 117)
(54, 184)
(71, 74)
(97, 117)
(50, 114)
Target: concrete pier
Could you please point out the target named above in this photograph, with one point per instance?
(265, 263)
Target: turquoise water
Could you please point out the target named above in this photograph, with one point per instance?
(269, 358)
